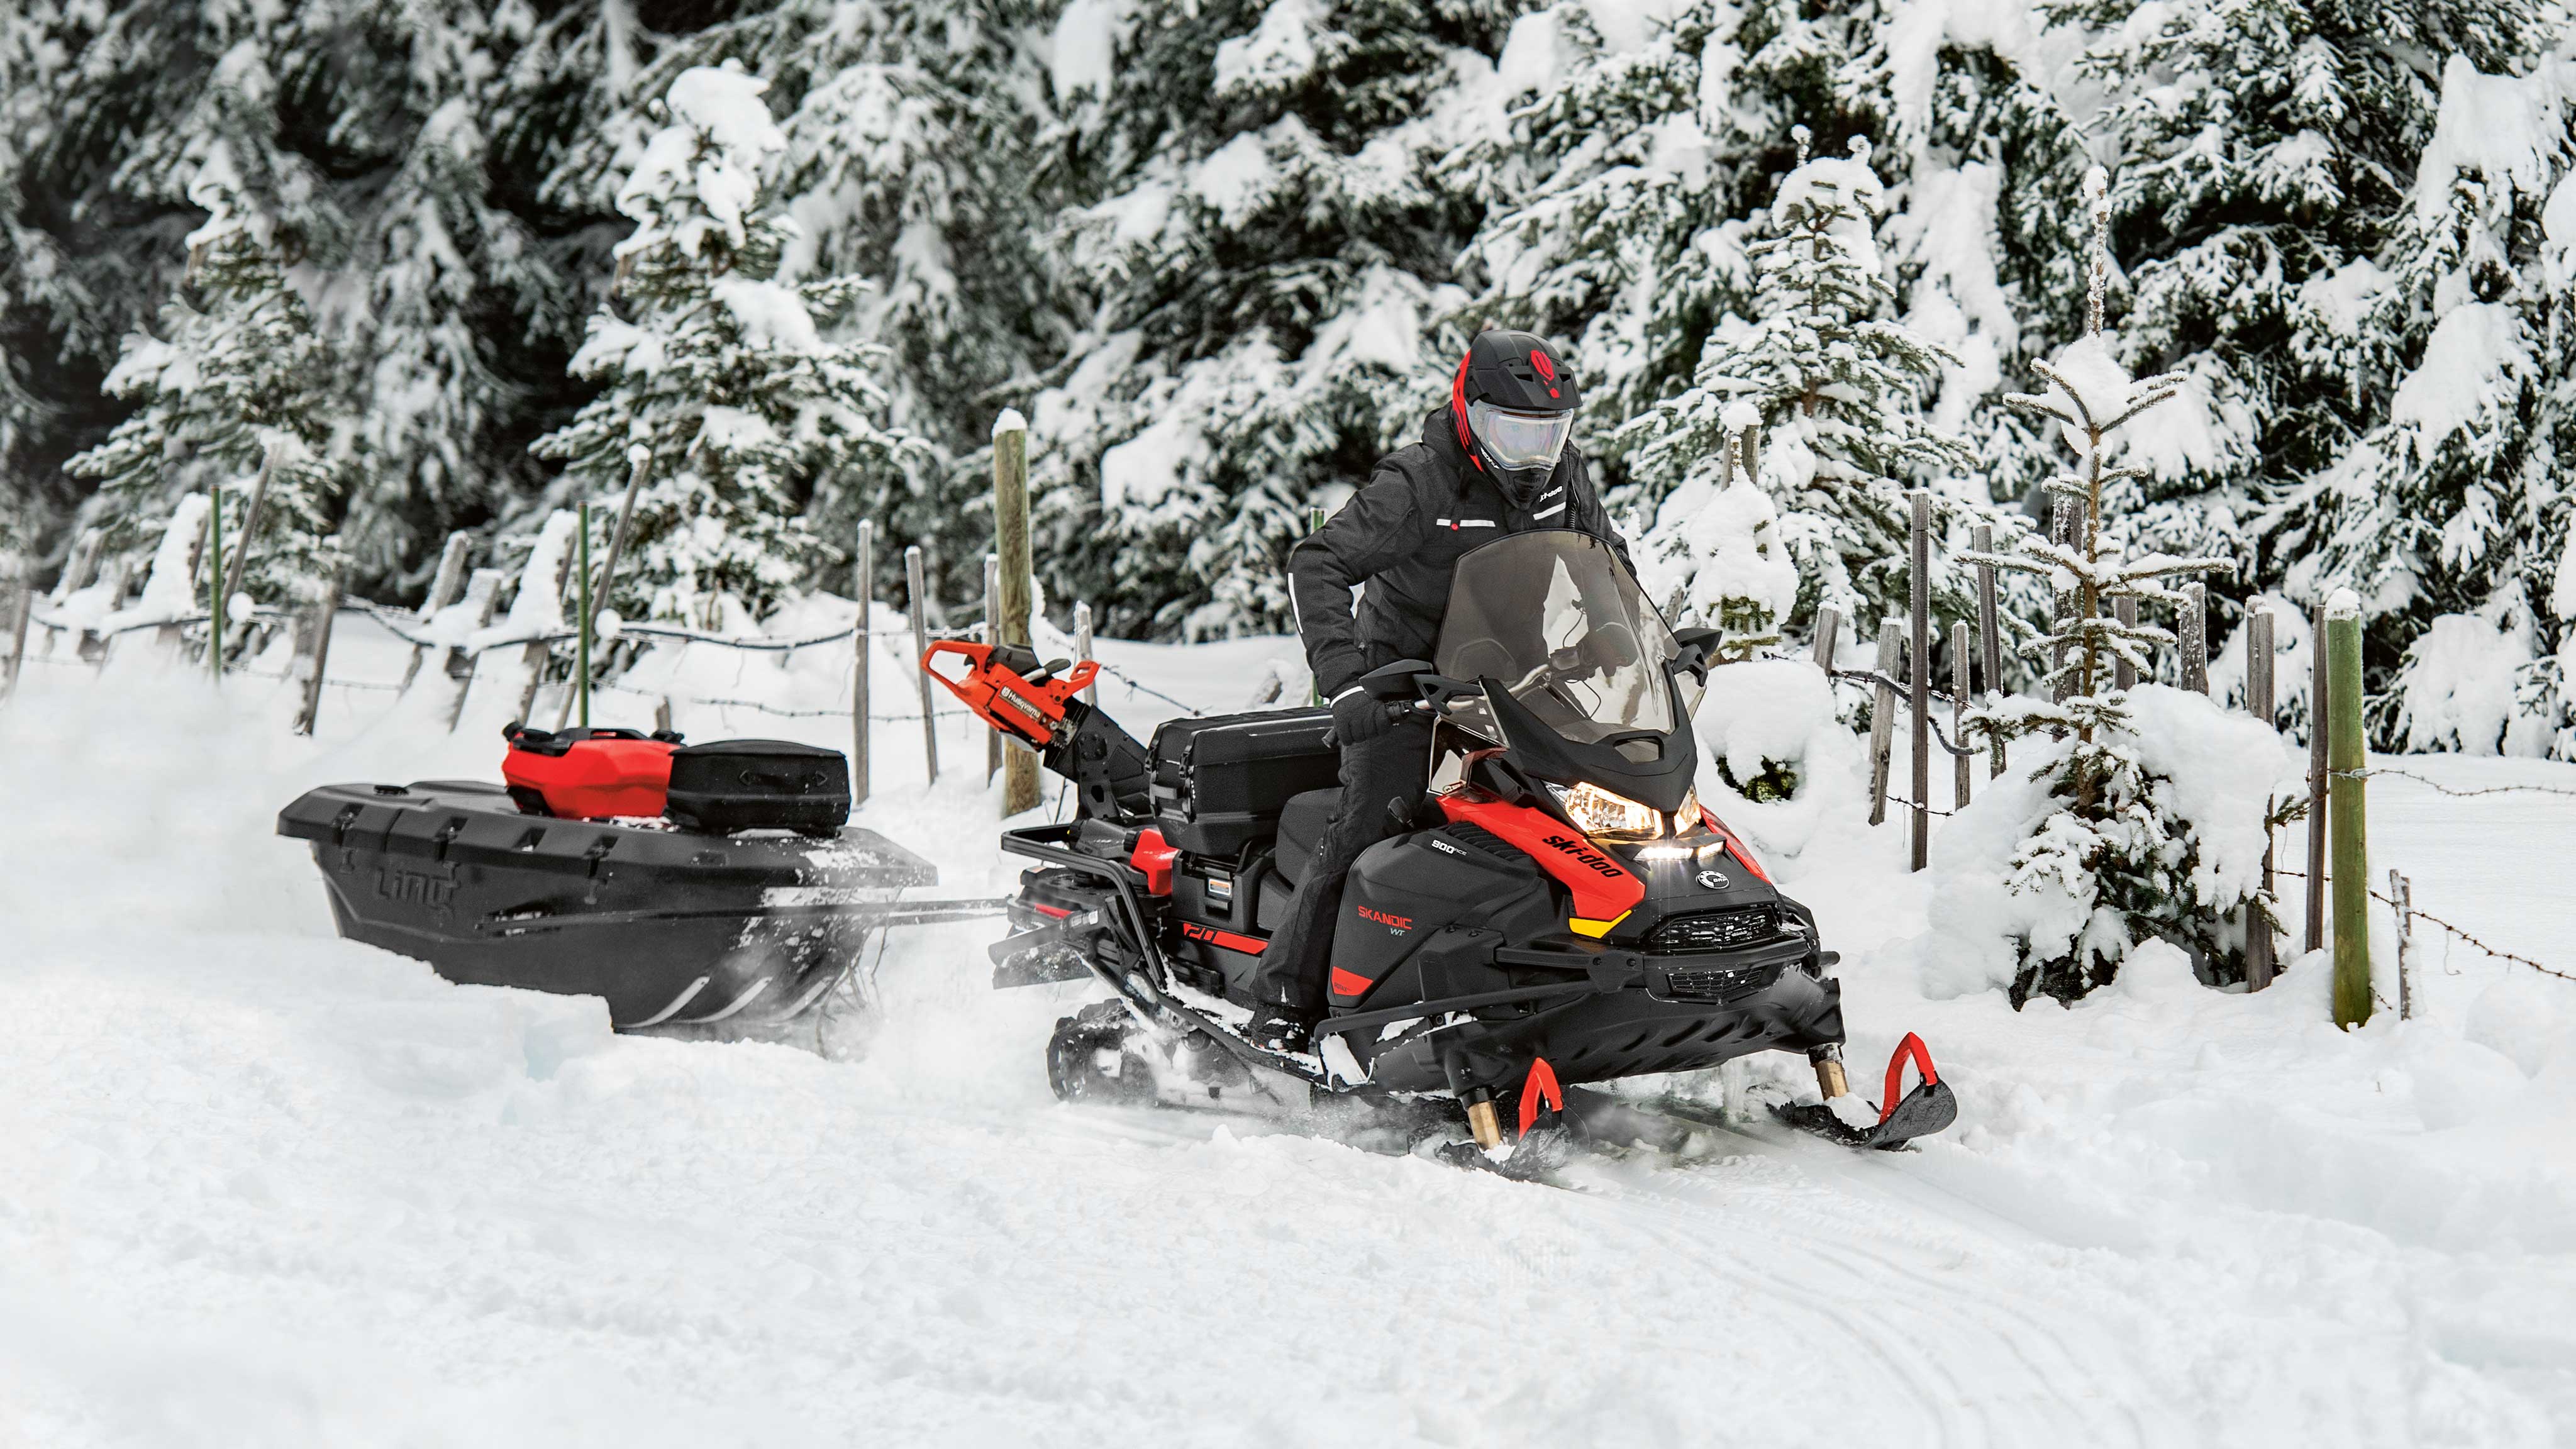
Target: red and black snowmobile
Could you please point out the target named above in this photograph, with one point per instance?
(1566, 911)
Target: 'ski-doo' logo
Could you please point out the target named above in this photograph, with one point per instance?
(1590, 859)
(1712, 880)
(1401, 923)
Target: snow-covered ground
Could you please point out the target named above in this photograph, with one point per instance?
(261, 1186)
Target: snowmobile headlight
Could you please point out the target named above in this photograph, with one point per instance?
(1686, 819)
(1596, 811)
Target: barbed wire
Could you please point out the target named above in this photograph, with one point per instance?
(1908, 804)
(2464, 935)
(2440, 788)
(395, 622)
(1123, 677)
(771, 709)
(1872, 676)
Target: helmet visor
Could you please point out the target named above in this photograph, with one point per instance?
(1519, 440)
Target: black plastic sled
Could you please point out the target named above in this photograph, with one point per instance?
(682, 932)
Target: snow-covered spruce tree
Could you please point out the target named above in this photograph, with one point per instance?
(1270, 238)
(1634, 147)
(1838, 389)
(2450, 516)
(2263, 148)
(1714, 556)
(716, 370)
(383, 149)
(458, 295)
(2113, 847)
(911, 161)
(238, 369)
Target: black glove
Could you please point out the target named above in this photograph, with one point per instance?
(1359, 716)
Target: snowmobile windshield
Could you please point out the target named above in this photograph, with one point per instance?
(1520, 440)
(1555, 619)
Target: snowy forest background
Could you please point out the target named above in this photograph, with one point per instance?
(469, 258)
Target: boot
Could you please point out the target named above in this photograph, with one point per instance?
(1278, 1028)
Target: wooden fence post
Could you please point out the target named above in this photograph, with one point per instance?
(594, 594)
(1963, 778)
(2195, 637)
(2258, 698)
(1919, 678)
(2402, 893)
(2402, 896)
(639, 467)
(169, 636)
(1990, 641)
(1829, 628)
(2351, 865)
(916, 602)
(77, 569)
(1082, 649)
(1019, 586)
(250, 519)
(1882, 715)
(95, 645)
(483, 595)
(863, 584)
(992, 635)
(2320, 688)
(540, 650)
(22, 609)
(443, 591)
(324, 618)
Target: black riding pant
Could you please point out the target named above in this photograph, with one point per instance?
(1391, 770)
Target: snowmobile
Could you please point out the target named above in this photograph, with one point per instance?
(1565, 911)
(701, 890)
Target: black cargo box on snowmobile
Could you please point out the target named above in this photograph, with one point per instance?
(1220, 782)
(672, 928)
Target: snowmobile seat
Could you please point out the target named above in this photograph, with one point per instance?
(1301, 830)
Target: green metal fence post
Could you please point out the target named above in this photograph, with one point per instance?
(215, 580)
(581, 649)
(2347, 819)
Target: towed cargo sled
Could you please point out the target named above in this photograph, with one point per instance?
(700, 890)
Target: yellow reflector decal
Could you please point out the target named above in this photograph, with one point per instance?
(1596, 929)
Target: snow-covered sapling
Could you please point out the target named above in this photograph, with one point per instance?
(2114, 842)
(1714, 556)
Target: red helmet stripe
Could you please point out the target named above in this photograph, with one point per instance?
(1458, 404)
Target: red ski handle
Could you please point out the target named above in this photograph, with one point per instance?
(1912, 1047)
(1001, 697)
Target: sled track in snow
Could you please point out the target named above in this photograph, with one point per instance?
(1980, 1362)
(1912, 1314)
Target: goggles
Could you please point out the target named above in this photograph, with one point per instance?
(1519, 440)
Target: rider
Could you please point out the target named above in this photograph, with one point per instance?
(1492, 462)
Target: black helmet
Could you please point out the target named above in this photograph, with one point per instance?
(1514, 404)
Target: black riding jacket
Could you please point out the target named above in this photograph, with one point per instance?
(1424, 505)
